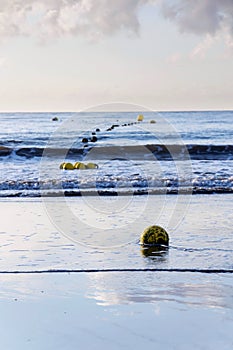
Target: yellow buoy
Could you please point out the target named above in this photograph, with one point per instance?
(61, 165)
(68, 166)
(81, 166)
(154, 235)
(92, 166)
(76, 165)
(140, 118)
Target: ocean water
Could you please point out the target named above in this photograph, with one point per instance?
(182, 151)
(175, 172)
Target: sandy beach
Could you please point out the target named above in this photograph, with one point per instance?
(116, 311)
(121, 309)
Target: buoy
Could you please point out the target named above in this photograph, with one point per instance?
(81, 166)
(68, 166)
(84, 140)
(140, 118)
(152, 121)
(55, 119)
(154, 235)
(97, 130)
(76, 165)
(92, 166)
(61, 165)
(94, 139)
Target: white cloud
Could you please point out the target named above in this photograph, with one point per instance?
(52, 18)
(93, 18)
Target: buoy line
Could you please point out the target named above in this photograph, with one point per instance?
(93, 139)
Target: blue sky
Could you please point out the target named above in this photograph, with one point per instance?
(66, 55)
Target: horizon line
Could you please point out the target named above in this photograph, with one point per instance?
(117, 111)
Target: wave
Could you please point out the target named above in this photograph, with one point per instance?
(159, 151)
(37, 194)
(111, 187)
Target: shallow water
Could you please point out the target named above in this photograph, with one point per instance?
(102, 233)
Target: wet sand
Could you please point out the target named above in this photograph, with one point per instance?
(121, 309)
(116, 311)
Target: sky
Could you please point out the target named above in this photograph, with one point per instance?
(68, 55)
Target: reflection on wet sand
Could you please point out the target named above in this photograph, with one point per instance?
(122, 288)
(153, 287)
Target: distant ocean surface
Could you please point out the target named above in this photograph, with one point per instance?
(179, 151)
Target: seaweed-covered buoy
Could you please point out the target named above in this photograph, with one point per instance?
(154, 235)
(84, 140)
(140, 118)
(152, 121)
(68, 166)
(91, 166)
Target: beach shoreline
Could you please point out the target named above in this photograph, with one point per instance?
(119, 297)
(116, 311)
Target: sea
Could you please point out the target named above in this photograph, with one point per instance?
(166, 153)
(173, 169)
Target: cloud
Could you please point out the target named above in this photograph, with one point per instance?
(95, 18)
(54, 18)
(200, 16)
(202, 48)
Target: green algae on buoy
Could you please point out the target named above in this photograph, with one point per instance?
(68, 166)
(154, 235)
(140, 118)
(91, 166)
